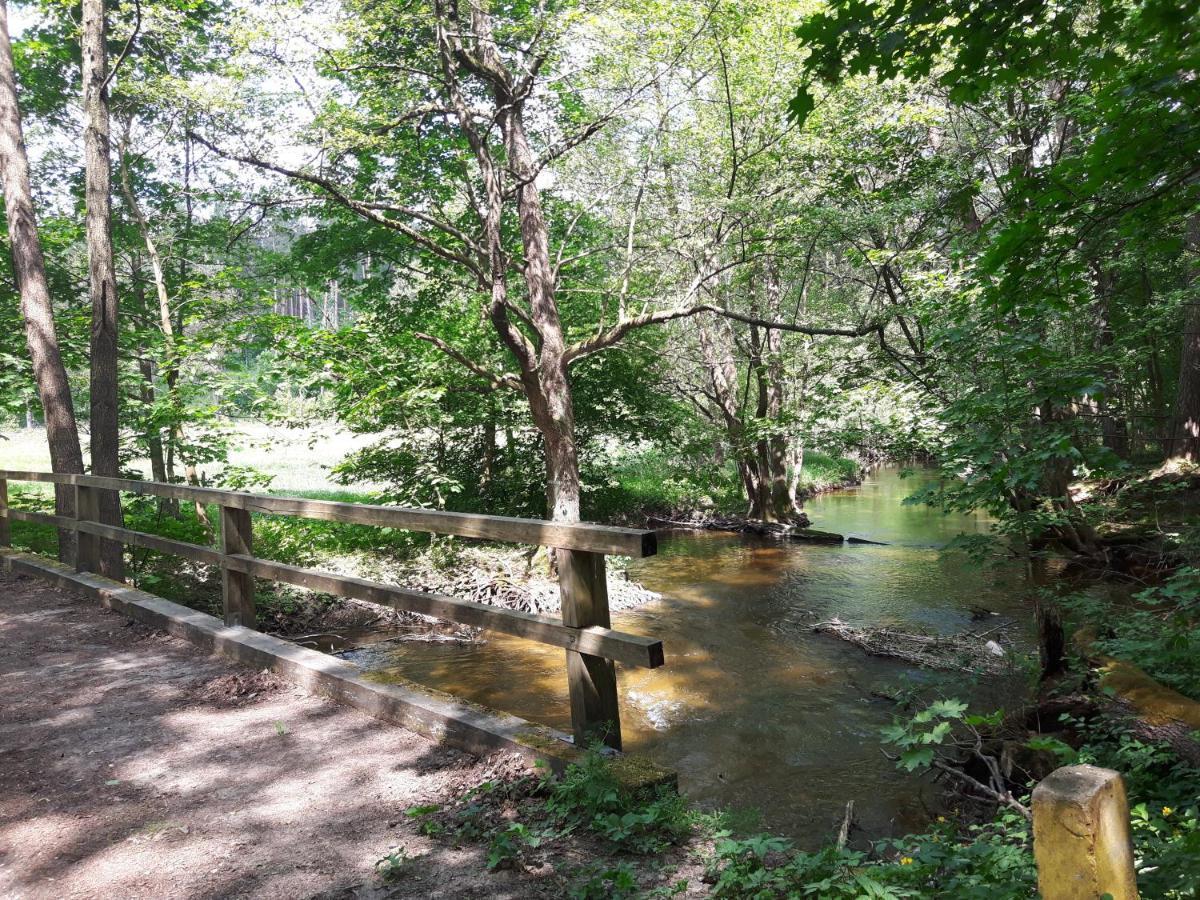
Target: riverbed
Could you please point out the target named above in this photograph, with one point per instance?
(753, 709)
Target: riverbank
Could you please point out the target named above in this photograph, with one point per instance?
(646, 487)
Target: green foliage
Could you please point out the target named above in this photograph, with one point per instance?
(993, 860)
(508, 844)
(918, 737)
(589, 796)
(1164, 794)
(1158, 630)
(619, 482)
(393, 866)
(601, 883)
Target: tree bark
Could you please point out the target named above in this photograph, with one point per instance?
(29, 269)
(102, 279)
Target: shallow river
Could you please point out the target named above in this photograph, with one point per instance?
(753, 709)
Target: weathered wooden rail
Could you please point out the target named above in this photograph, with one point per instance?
(592, 646)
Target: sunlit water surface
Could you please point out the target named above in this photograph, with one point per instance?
(754, 709)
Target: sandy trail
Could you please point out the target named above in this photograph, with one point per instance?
(133, 765)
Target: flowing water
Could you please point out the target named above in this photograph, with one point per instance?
(754, 709)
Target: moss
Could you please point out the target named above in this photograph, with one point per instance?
(635, 772)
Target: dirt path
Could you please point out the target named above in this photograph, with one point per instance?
(132, 765)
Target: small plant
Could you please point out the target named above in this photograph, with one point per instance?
(940, 736)
(1160, 634)
(613, 883)
(508, 846)
(281, 729)
(392, 866)
(588, 795)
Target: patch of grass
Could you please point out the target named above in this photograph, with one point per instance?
(294, 459)
(821, 472)
(625, 482)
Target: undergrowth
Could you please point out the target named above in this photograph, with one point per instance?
(1159, 630)
(635, 840)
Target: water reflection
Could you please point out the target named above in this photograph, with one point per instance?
(753, 709)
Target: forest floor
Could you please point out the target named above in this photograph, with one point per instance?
(133, 765)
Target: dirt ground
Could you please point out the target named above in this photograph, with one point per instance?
(133, 765)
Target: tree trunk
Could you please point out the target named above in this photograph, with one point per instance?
(488, 473)
(167, 326)
(1114, 430)
(554, 406)
(29, 269)
(1052, 640)
(154, 443)
(1186, 439)
(776, 499)
(105, 429)
(722, 375)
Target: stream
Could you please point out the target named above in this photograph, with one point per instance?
(753, 709)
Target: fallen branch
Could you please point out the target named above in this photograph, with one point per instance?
(1003, 797)
(844, 831)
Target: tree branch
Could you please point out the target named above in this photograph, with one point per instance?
(369, 211)
(607, 338)
(507, 380)
(137, 27)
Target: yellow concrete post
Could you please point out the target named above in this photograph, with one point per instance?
(1081, 835)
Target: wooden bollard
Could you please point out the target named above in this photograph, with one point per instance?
(1081, 837)
(5, 527)
(237, 588)
(87, 547)
(592, 680)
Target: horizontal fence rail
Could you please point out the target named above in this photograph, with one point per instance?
(604, 539)
(592, 646)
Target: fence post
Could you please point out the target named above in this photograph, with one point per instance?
(1081, 838)
(87, 546)
(237, 588)
(583, 587)
(5, 526)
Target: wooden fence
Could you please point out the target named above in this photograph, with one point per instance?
(592, 647)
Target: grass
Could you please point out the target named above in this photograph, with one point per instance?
(618, 481)
(625, 482)
(296, 461)
(821, 472)
(620, 484)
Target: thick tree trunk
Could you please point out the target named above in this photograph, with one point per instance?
(776, 499)
(548, 388)
(29, 269)
(105, 428)
(722, 376)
